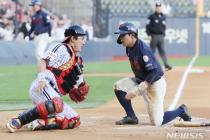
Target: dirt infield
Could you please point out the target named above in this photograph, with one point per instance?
(98, 123)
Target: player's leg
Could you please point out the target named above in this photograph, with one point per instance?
(67, 119)
(181, 112)
(154, 101)
(38, 46)
(41, 41)
(44, 41)
(121, 88)
(161, 50)
(47, 102)
(42, 110)
(153, 43)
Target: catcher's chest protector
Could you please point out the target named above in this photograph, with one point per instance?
(67, 74)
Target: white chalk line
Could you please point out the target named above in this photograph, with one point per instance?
(156, 128)
(182, 83)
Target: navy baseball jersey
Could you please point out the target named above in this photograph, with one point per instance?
(143, 63)
(40, 23)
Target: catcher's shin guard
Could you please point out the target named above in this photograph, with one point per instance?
(42, 110)
(68, 123)
(60, 123)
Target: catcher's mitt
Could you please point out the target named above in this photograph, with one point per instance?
(79, 94)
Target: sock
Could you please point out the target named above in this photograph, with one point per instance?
(126, 104)
(171, 115)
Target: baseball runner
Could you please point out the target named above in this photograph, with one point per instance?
(148, 81)
(60, 73)
(40, 28)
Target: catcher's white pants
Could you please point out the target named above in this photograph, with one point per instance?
(41, 41)
(154, 97)
(49, 93)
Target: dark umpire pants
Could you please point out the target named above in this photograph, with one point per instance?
(157, 41)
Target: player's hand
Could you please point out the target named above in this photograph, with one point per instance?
(143, 87)
(41, 86)
(138, 90)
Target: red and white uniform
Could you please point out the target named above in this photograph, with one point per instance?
(57, 55)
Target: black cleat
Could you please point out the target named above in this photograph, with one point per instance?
(185, 115)
(168, 67)
(127, 120)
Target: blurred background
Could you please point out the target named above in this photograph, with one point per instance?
(100, 18)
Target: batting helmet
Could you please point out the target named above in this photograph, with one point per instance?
(35, 2)
(74, 30)
(126, 28)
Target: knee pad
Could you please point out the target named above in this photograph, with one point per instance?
(68, 123)
(123, 84)
(51, 106)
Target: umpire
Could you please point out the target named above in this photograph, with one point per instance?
(156, 29)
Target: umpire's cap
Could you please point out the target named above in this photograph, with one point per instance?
(74, 30)
(126, 28)
(35, 2)
(157, 4)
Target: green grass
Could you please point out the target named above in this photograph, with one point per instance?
(15, 82)
(203, 61)
(124, 66)
(106, 67)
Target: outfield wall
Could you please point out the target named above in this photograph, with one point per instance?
(180, 41)
(15, 52)
(205, 36)
(180, 34)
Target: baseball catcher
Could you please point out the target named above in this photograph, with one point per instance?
(60, 73)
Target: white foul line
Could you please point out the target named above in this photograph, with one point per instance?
(182, 83)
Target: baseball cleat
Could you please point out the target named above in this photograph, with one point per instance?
(168, 67)
(127, 120)
(36, 125)
(185, 115)
(13, 125)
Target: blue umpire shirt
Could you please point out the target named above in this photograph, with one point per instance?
(143, 63)
(40, 23)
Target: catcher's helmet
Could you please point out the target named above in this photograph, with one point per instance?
(74, 30)
(35, 2)
(126, 28)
